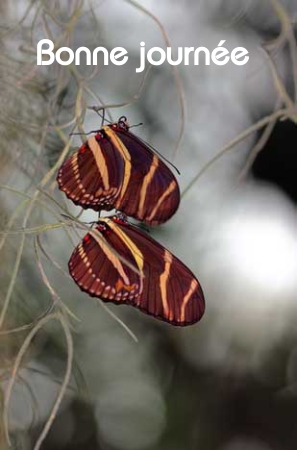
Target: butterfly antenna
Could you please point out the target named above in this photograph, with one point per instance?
(97, 109)
(81, 134)
(103, 117)
(136, 125)
(142, 227)
(91, 223)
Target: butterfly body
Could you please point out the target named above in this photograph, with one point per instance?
(121, 264)
(116, 169)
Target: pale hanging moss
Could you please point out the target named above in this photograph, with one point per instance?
(38, 109)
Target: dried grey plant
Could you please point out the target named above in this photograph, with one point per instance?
(39, 109)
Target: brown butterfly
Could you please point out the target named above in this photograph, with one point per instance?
(161, 285)
(116, 169)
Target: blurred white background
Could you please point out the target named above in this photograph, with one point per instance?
(174, 388)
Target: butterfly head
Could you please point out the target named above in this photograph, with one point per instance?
(120, 218)
(103, 223)
(102, 226)
(121, 124)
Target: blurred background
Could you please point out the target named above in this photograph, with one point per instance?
(124, 380)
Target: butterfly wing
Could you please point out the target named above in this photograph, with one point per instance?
(168, 290)
(151, 193)
(92, 177)
(115, 169)
(171, 292)
(97, 270)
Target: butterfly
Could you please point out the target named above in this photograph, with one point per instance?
(114, 169)
(119, 263)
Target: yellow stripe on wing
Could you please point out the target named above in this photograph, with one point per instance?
(163, 284)
(112, 257)
(165, 194)
(192, 288)
(138, 256)
(145, 184)
(119, 145)
(100, 161)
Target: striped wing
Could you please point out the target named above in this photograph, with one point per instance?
(152, 193)
(97, 270)
(115, 169)
(92, 177)
(169, 291)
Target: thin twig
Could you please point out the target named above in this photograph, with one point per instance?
(38, 229)
(287, 33)
(64, 385)
(258, 146)
(12, 280)
(260, 124)
(279, 85)
(117, 319)
(56, 298)
(135, 97)
(176, 75)
(16, 367)
(51, 259)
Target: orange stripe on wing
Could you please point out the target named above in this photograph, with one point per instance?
(192, 288)
(79, 188)
(137, 254)
(163, 283)
(145, 184)
(112, 258)
(88, 275)
(165, 194)
(122, 149)
(100, 161)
